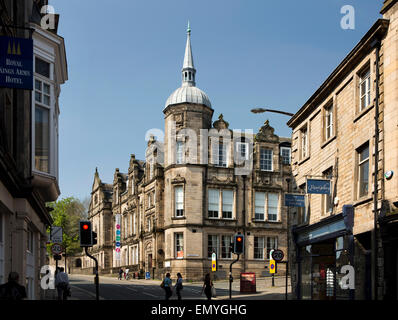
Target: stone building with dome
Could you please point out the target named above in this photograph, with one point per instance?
(192, 193)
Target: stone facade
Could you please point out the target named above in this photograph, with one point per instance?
(146, 203)
(29, 147)
(191, 195)
(334, 136)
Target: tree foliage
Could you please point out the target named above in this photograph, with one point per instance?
(67, 213)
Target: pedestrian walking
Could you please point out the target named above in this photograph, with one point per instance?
(62, 284)
(127, 274)
(207, 285)
(120, 274)
(166, 285)
(12, 290)
(178, 285)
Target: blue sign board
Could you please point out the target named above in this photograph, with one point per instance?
(16, 63)
(147, 275)
(318, 186)
(294, 200)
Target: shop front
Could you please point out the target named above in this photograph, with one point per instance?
(322, 249)
(389, 236)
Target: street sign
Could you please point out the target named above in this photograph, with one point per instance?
(319, 186)
(277, 255)
(272, 266)
(294, 200)
(213, 262)
(56, 234)
(57, 257)
(56, 248)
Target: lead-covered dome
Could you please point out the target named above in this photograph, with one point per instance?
(188, 92)
(189, 95)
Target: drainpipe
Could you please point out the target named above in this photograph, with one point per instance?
(244, 221)
(376, 44)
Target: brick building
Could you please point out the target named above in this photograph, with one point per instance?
(190, 195)
(335, 137)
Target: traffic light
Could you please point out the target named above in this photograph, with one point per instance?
(94, 237)
(86, 236)
(239, 243)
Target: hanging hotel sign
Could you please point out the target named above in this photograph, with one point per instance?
(117, 237)
(318, 186)
(16, 63)
(294, 200)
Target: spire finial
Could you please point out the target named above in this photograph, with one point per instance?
(188, 69)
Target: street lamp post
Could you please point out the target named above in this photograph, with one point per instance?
(262, 110)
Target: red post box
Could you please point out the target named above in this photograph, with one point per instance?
(248, 282)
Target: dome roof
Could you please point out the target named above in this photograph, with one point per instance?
(188, 94)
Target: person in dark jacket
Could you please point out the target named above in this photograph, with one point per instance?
(120, 274)
(207, 284)
(178, 285)
(167, 283)
(12, 290)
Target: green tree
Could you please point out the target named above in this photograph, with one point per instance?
(67, 213)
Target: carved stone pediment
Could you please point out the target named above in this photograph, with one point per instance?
(220, 123)
(178, 179)
(216, 180)
(263, 179)
(266, 133)
(179, 119)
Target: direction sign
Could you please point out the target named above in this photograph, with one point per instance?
(56, 248)
(272, 266)
(277, 255)
(56, 234)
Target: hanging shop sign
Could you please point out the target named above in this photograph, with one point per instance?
(294, 200)
(318, 186)
(16, 63)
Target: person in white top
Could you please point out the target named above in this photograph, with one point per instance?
(126, 274)
(62, 284)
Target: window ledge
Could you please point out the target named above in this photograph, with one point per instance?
(221, 219)
(362, 200)
(303, 160)
(328, 141)
(362, 113)
(178, 218)
(266, 221)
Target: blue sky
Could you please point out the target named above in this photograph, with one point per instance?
(125, 60)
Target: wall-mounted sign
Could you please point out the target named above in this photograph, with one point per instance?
(294, 200)
(16, 63)
(388, 175)
(117, 244)
(319, 186)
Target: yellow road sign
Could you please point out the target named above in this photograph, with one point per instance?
(272, 266)
(213, 262)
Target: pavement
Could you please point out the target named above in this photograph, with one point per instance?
(110, 288)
